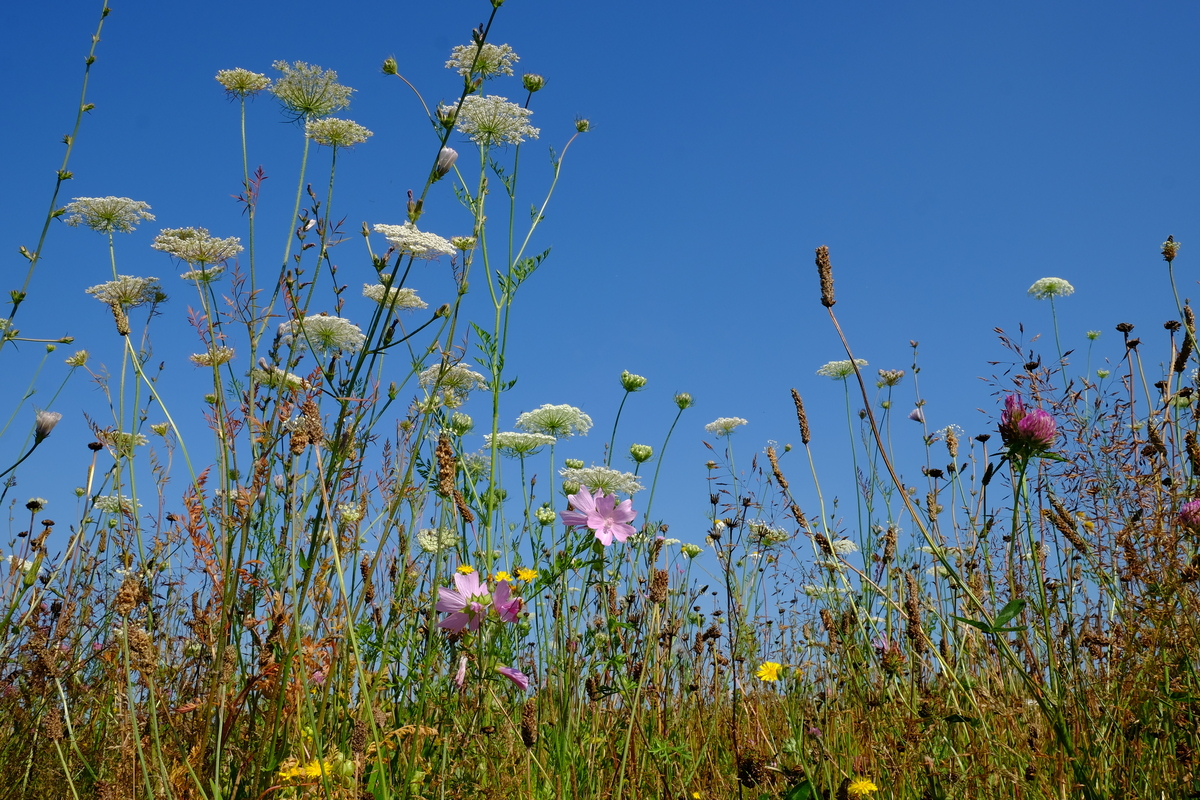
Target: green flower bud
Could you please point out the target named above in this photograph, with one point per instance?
(545, 515)
(683, 400)
(582, 125)
(641, 453)
(631, 382)
(461, 424)
(573, 463)
(532, 82)
(389, 66)
(570, 487)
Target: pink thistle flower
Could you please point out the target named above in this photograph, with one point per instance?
(1026, 431)
(516, 676)
(506, 605)
(1189, 515)
(602, 514)
(460, 677)
(467, 603)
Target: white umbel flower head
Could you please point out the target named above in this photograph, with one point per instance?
(213, 358)
(561, 421)
(407, 239)
(276, 378)
(128, 291)
(843, 547)
(515, 444)
(603, 479)
(1050, 287)
(306, 90)
(197, 246)
(397, 299)
(333, 132)
(114, 503)
(487, 61)
(455, 377)
(840, 370)
(492, 120)
(436, 540)
(323, 333)
(107, 214)
(242, 83)
(723, 426)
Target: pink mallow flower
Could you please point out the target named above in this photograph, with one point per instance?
(1189, 515)
(460, 677)
(516, 676)
(602, 514)
(506, 605)
(1026, 431)
(467, 603)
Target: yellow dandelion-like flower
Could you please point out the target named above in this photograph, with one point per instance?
(769, 671)
(502, 576)
(861, 787)
(526, 575)
(463, 569)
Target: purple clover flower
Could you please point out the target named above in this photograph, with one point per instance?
(1189, 515)
(1026, 431)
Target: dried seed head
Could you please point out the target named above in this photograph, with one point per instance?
(825, 271)
(912, 610)
(659, 585)
(831, 627)
(801, 417)
(889, 544)
(529, 730)
(446, 466)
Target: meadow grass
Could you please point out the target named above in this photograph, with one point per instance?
(348, 602)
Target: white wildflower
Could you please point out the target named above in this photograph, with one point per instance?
(487, 61)
(323, 333)
(333, 132)
(349, 512)
(306, 90)
(16, 563)
(213, 358)
(766, 534)
(407, 239)
(603, 479)
(516, 444)
(840, 370)
(561, 421)
(128, 291)
(78, 360)
(454, 381)
(843, 547)
(115, 503)
(492, 120)
(276, 378)
(242, 83)
(723, 426)
(436, 540)
(1050, 287)
(121, 443)
(197, 246)
(393, 298)
(107, 214)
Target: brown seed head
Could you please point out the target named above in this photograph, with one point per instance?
(801, 417)
(825, 271)
(659, 586)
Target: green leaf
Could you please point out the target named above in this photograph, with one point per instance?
(1010, 610)
(801, 791)
(974, 623)
(960, 718)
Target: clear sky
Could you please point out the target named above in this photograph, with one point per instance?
(949, 154)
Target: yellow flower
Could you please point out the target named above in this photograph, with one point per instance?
(465, 570)
(312, 769)
(502, 576)
(861, 787)
(526, 575)
(696, 796)
(769, 671)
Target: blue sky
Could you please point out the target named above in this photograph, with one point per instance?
(949, 154)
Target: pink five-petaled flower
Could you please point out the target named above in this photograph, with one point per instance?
(1189, 515)
(1026, 431)
(507, 606)
(607, 518)
(516, 676)
(467, 603)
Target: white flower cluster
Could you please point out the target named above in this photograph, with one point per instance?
(455, 379)
(487, 61)
(691, 550)
(213, 358)
(407, 239)
(1050, 287)
(349, 512)
(516, 444)
(107, 214)
(323, 333)
(843, 547)
(492, 120)
(276, 378)
(766, 534)
(197, 246)
(242, 82)
(114, 503)
(123, 443)
(393, 298)
(333, 132)
(560, 421)
(16, 563)
(840, 370)
(603, 479)
(723, 426)
(436, 540)
(128, 291)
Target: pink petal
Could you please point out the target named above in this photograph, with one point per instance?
(622, 532)
(450, 600)
(456, 622)
(605, 536)
(516, 676)
(624, 512)
(573, 518)
(467, 584)
(582, 500)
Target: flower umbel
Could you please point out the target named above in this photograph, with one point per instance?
(306, 90)
(840, 370)
(323, 333)
(603, 479)
(196, 246)
(128, 291)
(724, 426)
(419, 244)
(560, 421)
(107, 214)
(336, 132)
(242, 83)
(1050, 287)
(486, 61)
(492, 120)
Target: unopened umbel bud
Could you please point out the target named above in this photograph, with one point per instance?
(631, 382)
(389, 66)
(683, 400)
(582, 125)
(641, 453)
(532, 82)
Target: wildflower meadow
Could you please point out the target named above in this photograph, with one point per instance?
(282, 525)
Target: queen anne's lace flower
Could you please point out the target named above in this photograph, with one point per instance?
(128, 291)
(306, 90)
(492, 120)
(107, 214)
(78, 360)
(123, 443)
(453, 378)
(197, 246)
(766, 534)
(213, 358)
(840, 370)
(242, 82)
(436, 540)
(561, 421)
(1050, 287)
(603, 479)
(115, 503)
(336, 132)
(393, 298)
(492, 60)
(723, 426)
(276, 378)
(407, 239)
(323, 333)
(516, 445)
